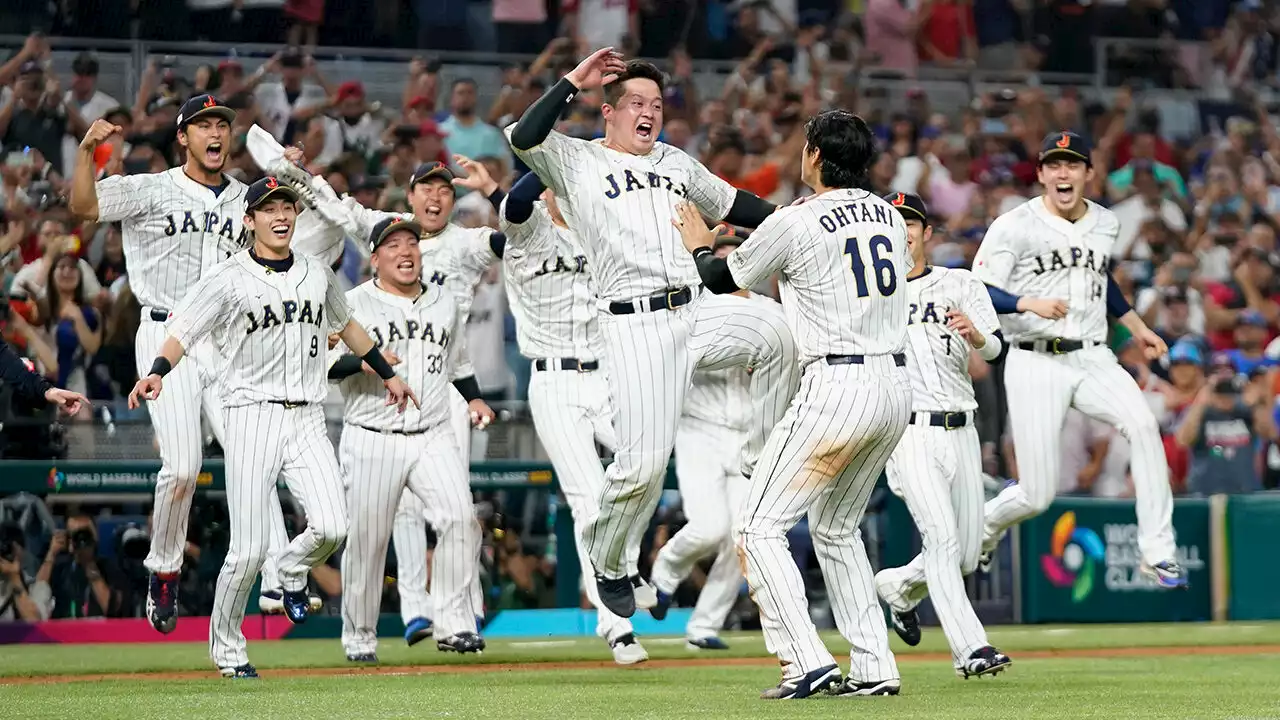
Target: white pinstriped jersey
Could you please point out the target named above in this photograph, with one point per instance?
(550, 290)
(1030, 251)
(843, 262)
(275, 327)
(174, 230)
(422, 333)
(937, 357)
(621, 207)
(723, 397)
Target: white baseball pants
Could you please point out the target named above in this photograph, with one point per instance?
(1041, 387)
(571, 412)
(823, 460)
(266, 441)
(712, 488)
(379, 467)
(175, 417)
(938, 472)
(652, 356)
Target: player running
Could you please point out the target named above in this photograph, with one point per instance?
(277, 310)
(658, 326)
(843, 260)
(937, 466)
(1059, 245)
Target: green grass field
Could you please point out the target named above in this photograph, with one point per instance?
(1111, 672)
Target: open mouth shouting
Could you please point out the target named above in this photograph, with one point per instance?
(213, 153)
(432, 210)
(1064, 192)
(281, 229)
(406, 265)
(644, 130)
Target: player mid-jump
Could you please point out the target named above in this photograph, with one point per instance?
(619, 197)
(842, 259)
(1059, 245)
(277, 311)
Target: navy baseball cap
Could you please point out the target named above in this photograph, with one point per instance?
(426, 171)
(384, 228)
(1066, 145)
(911, 206)
(268, 188)
(202, 106)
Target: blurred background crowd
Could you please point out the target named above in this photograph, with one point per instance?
(1175, 95)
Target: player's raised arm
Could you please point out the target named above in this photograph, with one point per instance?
(492, 242)
(983, 327)
(717, 199)
(753, 262)
(518, 206)
(121, 196)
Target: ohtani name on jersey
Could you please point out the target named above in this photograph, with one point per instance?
(410, 330)
(645, 181)
(289, 312)
(576, 264)
(855, 212)
(927, 313)
(1073, 258)
(205, 222)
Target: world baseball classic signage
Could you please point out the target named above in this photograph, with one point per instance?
(1081, 563)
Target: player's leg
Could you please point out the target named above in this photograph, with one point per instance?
(724, 580)
(374, 469)
(914, 463)
(600, 413)
(312, 474)
(649, 370)
(409, 537)
(461, 425)
(254, 457)
(1039, 388)
(1111, 395)
(560, 406)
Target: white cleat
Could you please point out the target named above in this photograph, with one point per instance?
(646, 595)
(627, 650)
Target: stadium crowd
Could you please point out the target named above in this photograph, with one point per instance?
(1198, 201)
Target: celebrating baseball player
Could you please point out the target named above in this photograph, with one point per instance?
(176, 226)
(277, 310)
(418, 327)
(843, 262)
(1059, 245)
(558, 329)
(709, 440)
(658, 326)
(937, 466)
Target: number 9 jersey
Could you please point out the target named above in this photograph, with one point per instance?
(843, 260)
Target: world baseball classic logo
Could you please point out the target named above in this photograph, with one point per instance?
(1074, 553)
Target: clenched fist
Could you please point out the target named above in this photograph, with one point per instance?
(99, 131)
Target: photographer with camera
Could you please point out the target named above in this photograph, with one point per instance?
(22, 597)
(1221, 430)
(84, 585)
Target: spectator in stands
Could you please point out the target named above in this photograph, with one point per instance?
(468, 134)
(1221, 429)
(53, 241)
(947, 36)
(1172, 306)
(890, 29)
(1251, 287)
(1250, 339)
(520, 25)
(74, 325)
(1147, 202)
(23, 597)
(84, 584)
(111, 266)
(360, 130)
(999, 28)
(36, 115)
(279, 102)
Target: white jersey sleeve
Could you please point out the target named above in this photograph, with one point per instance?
(998, 253)
(976, 304)
(338, 310)
(765, 252)
(459, 361)
(121, 197)
(551, 159)
(712, 194)
(532, 236)
(475, 252)
(206, 306)
(315, 236)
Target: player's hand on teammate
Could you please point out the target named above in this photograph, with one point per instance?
(478, 177)
(147, 388)
(399, 394)
(598, 69)
(98, 133)
(693, 229)
(391, 358)
(481, 414)
(961, 323)
(1047, 308)
(69, 402)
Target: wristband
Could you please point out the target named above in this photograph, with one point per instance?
(161, 367)
(468, 387)
(379, 364)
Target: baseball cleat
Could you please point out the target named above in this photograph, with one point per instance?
(706, 643)
(660, 607)
(907, 625)
(646, 595)
(803, 686)
(617, 595)
(984, 661)
(240, 672)
(984, 562)
(463, 642)
(1167, 574)
(296, 606)
(627, 650)
(368, 657)
(162, 602)
(850, 688)
(417, 630)
(271, 602)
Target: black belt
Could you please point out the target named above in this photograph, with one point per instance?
(1056, 346)
(289, 404)
(567, 364)
(898, 359)
(946, 420)
(159, 315)
(390, 432)
(663, 301)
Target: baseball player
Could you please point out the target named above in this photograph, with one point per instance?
(177, 225)
(1059, 245)
(419, 326)
(937, 466)
(277, 310)
(709, 441)
(657, 324)
(558, 329)
(843, 260)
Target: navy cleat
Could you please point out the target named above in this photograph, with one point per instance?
(271, 602)
(162, 602)
(369, 658)
(984, 661)
(706, 643)
(617, 594)
(297, 606)
(803, 686)
(240, 672)
(661, 606)
(462, 643)
(850, 688)
(907, 625)
(1167, 574)
(417, 630)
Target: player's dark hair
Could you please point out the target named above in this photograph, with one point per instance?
(636, 70)
(846, 148)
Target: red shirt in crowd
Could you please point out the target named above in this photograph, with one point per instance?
(946, 24)
(1225, 295)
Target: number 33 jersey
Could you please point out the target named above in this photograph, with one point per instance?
(423, 335)
(938, 357)
(842, 259)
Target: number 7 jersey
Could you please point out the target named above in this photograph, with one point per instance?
(843, 261)
(938, 357)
